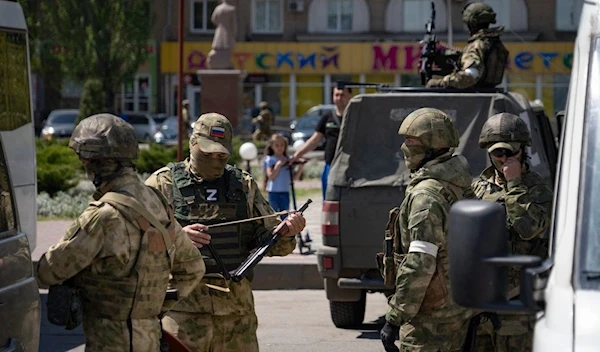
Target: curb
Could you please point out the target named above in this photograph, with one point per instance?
(275, 276)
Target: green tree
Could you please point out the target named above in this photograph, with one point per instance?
(92, 99)
(43, 49)
(101, 39)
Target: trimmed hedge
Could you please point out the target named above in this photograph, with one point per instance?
(158, 156)
(59, 168)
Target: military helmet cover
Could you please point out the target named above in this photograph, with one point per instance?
(504, 128)
(433, 128)
(104, 136)
(478, 13)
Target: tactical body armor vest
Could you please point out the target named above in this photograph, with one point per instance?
(538, 246)
(438, 290)
(495, 62)
(139, 295)
(215, 202)
(436, 295)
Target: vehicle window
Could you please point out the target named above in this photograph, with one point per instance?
(313, 113)
(7, 214)
(15, 103)
(137, 120)
(170, 123)
(307, 123)
(64, 118)
(589, 228)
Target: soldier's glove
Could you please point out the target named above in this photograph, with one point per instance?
(389, 334)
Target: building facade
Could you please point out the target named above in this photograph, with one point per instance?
(293, 51)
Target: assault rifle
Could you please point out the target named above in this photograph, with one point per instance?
(253, 259)
(250, 262)
(431, 55)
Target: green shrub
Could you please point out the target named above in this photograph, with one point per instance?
(58, 167)
(158, 156)
(93, 99)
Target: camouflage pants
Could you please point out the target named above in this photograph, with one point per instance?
(427, 334)
(214, 333)
(113, 336)
(514, 335)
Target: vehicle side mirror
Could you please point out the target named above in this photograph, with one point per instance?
(478, 250)
(560, 119)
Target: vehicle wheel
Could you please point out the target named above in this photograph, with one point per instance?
(348, 314)
(147, 139)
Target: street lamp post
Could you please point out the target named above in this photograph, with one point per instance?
(248, 152)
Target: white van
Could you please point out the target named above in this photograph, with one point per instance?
(19, 294)
(564, 290)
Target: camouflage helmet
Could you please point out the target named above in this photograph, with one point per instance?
(104, 136)
(478, 13)
(504, 129)
(433, 128)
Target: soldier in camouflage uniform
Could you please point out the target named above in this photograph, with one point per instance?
(528, 202)
(204, 191)
(264, 120)
(482, 61)
(112, 253)
(422, 309)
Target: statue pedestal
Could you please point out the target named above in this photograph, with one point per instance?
(222, 92)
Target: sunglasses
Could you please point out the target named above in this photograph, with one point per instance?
(500, 152)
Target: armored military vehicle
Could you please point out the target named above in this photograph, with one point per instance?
(368, 178)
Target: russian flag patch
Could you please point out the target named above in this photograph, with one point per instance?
(217, 132)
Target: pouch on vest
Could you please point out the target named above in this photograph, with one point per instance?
(63, 306)
(391, 257)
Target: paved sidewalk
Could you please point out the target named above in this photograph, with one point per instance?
(295, 271)
(51, 231)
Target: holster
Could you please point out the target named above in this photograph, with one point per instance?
(64, 306)
(388, 263)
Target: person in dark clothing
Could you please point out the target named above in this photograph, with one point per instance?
(328, 128)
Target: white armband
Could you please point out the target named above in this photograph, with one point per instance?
(473, 72)
(423, 247)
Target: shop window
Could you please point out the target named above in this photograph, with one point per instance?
(524, 84)
(309, 92)
(410, 80)
(342, 16)
(414, 14)
(201, 11)
(267, 16)
(381, 78)
(277, 93)
(136, 94)
(568, 13)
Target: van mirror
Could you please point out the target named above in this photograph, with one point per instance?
(478, 250)
(560, 119)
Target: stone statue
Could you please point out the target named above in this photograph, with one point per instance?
(225, 19)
